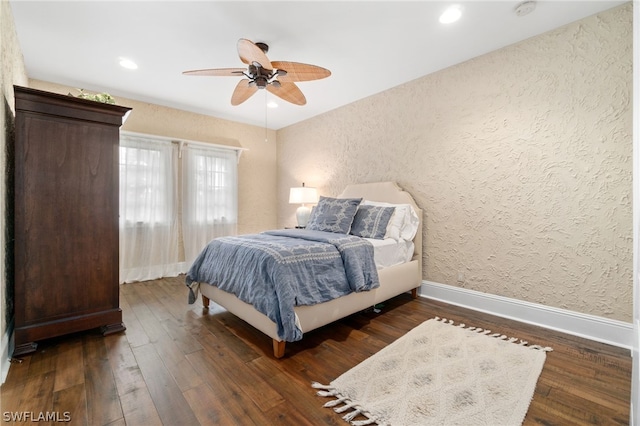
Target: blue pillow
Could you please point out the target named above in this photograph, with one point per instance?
(371, 221)
(333, 214)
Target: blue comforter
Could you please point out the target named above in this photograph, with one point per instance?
(277, 270)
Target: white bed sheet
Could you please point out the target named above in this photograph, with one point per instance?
(389, 252)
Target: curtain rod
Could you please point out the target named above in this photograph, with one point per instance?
(184, 141)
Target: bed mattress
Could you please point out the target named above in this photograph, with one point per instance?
(389, 252)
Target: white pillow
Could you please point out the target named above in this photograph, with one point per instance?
(404, 222)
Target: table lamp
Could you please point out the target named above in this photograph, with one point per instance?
(303, 195)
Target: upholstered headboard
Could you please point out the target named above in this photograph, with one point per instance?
(388, 192)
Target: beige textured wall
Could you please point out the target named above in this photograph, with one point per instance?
(12, 71)
(257, 209)
(520, 159)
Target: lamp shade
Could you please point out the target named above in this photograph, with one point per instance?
(303, 195)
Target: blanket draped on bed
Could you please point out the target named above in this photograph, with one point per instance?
(277, 270)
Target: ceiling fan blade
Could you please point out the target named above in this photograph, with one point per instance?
(300, 72)
(224, 72)
(243, 91)
(289, 92)
(249, 53)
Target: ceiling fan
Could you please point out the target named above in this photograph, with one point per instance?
(278, 77)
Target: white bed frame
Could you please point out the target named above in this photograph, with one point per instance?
(394, 280)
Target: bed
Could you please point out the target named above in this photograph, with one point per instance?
(394, 274)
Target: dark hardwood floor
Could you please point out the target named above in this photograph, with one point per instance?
(178, 364)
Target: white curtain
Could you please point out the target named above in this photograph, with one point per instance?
(209, 196)
(148, 209)
(174, 199)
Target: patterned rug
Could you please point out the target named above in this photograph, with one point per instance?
(440, 374)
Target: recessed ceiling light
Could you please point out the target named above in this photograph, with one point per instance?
(128, 64)
(452, 14)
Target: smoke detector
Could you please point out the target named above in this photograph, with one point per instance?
(525, 8)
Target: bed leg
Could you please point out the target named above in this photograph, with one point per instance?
(414, 293)
(278, 348)
(205, 301)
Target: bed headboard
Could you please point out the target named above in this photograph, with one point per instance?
(388, 192)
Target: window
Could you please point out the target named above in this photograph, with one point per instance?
(210, 176)
(146, 182)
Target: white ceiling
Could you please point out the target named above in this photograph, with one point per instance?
(368, 46)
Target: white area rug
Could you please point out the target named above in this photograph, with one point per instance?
(440, 374)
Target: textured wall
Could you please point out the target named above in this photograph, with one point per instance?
(12, 71)
(520, 159)
(257, 209)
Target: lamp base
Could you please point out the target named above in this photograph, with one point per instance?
(302, 215)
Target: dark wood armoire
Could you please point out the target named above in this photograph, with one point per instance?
(66, 216)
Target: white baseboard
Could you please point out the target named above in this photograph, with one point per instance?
(612, 332)
(5, 347)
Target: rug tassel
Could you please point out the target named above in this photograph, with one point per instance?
(326, 393)
(345, 407)
(363, 422)
(496, 335)
(352, 415)
(335, 402)
(541, 348)
(317, 385)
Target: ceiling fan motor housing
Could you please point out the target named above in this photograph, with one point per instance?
(259, 76)
(261, 82)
